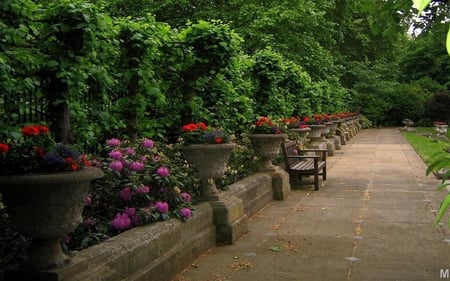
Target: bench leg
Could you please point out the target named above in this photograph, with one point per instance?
(316, 180)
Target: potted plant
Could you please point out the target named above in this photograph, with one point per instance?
(208, 149)
(266, 137)
(298, 128)
(43, 185)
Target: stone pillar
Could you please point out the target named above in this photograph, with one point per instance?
(280, 184)
(230, 220)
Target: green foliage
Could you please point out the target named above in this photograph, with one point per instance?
(216, 88)
(20, 59)
(281, 86)
(139, 44)
(438, 107)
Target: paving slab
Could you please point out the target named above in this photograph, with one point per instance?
(373, 219)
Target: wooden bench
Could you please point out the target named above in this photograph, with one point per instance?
(308, 162)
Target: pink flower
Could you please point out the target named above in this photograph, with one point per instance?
(156, 158)
(147, 143)
(185, 212)
(67, 239)
(87, 201)
(126, 194)
(163, 172)
(162, 207)
(116, 166)
(143, 190)
(89, 221)
(131, 213)
(130, 151)
(121, 221)
(113, 142)
(115, 154)
(186, 197)
(136, 166)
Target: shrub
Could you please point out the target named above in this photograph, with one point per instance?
(144, 182)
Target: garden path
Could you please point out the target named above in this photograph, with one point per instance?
(372, 220)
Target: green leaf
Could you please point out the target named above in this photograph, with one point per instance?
(442, 185)
(420, 4)
(444, 206)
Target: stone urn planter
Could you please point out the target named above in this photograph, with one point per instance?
(46, 206)
(210, 161)
(315, 136)
(441, 129)
(267, 146)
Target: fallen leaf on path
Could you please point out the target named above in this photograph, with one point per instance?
(244, 264)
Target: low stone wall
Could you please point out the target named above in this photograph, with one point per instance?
(160, 251)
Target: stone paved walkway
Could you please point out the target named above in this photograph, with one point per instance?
(373, 220)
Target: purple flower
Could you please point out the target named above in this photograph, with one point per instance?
(130, 151)
(185, 212)
(162, 207)
(87, 201)
(163, 172)
(116, 166)
(126, 194)
(143, 190)
(131, 213)
(156, 158)
(136, 166)
(67, 239)
(186, 197)
(113, 142)
(89, 221)
(121, 221)
(115, 154)
(147, 143)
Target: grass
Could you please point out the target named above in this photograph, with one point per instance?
(425, 142)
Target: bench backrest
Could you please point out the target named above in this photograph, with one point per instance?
(289, 149)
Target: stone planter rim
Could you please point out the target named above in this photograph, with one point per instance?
(300, 129)
(267, 135)
(84, 174)
(214, 146)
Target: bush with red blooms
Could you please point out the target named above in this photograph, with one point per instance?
(32, 149)
(200, 133)
(264, 125)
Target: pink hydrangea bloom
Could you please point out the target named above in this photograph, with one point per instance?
(126, 194)
(121, 221)
(130, 151)
(186, 197)
(143, 189)
(115, 154)
(185, 212)
(113, 142)
(136, 166)
(163, 172)
(147, 143)
(116, 166)
(162, 207)
(87, 201)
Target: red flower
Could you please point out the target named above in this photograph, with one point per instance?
(202, 126)
(30, 131)
(73, 164)
(4, 147)
(39, 151)
(43, 129)
(189, 127)
(85, 161)
(218, 140)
